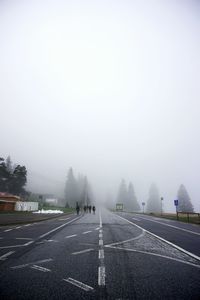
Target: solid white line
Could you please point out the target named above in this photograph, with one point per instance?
(32, 263)
(186, 230)
(100, 220)
(63, 219)
(5, 256)
(70, 236)
(101, 254)
(158, 237)
(27, 244)
(101, 275)
(40, 268)
(79, 284)
(86, 232)
(156, 254)
(7, 230)
(100, 242)
(83, 251)
(47, 233)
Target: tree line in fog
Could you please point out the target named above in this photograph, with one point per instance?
(127, 197)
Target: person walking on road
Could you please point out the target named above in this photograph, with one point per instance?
(94, 208)
(77, 209)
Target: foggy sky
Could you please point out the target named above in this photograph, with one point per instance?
(110, 88)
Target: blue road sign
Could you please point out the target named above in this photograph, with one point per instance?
(176, 202)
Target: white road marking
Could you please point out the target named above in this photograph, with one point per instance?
(5, 256)
(129, 240)
(97, 228)
(100, 235)
(101, 275)
(83, 251)
(1, 238)
(79, 284)
(42, 269)
(156, 254)
(100, 242)
(7, 230)
(167, 242)
(28, 239)
(100, 220)
(86, 232)
(27, 225)
(27, 244)
(32, 263)
(70, 236)
(101, 254)
(47, 233)
(100, 231)
(169, 225)
(18, 227)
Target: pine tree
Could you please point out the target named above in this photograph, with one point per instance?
(133, 204)
(122, 194)
(71, 192)
(153, 203)
(184, 202)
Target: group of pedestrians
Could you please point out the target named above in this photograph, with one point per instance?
(86, 209)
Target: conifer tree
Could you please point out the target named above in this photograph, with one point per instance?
(184, 202)
(153, 203)
(133, 204)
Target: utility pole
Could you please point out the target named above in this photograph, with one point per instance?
(161, 204)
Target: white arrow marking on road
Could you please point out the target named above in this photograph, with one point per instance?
(5, 256)
(83, 251)
(40, 268)
(79, 284)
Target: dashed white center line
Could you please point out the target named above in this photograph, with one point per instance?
(39, 268)
(101, 254)
(100, 242)
(79, 284)
(70, 236)
(18, 227)
(87, 232)
(5, 256)
(100, 235)
(7, 230)
(101, 275)
(27, 225)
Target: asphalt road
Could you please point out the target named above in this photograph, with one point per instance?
(101, 256)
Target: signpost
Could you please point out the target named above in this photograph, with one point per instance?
(143, 204)
(119, 207)
(176, 204)
(161, 204)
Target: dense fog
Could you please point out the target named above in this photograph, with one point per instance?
(109, 88)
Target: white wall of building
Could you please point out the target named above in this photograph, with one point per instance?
(26, 206)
